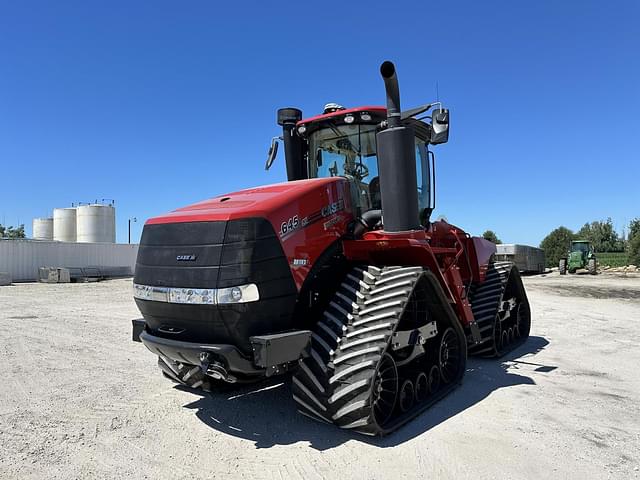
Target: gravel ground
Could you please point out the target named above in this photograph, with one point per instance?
(80, 400)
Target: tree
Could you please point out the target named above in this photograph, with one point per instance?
(492, 237)
(602, 236)
(17, 232)
(634, 229)
(12, 232)
(556, 245)
(634, 250)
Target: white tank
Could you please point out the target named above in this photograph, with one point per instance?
(42, 229)
(96, 223)
(64, 224)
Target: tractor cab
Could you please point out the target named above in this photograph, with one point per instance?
(581, 246)
(342, 142)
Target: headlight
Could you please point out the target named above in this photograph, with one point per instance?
(198, 296)
(239, 294)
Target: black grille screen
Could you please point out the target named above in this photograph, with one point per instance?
(217, 255)
(212, 255)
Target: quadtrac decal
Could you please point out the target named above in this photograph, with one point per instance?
(293, 224)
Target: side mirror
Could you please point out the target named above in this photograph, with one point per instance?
(439, 126)
(273, 151)
(319, 157)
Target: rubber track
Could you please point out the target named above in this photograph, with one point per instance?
(485, 300)
(334, 384)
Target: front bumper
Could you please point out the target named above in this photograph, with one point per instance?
(271, 353)
(189, 353)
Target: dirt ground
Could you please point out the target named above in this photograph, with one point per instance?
(79, 399)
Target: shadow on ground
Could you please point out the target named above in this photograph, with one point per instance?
(266, 413)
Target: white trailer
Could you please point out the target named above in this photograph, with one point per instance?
(528, 259)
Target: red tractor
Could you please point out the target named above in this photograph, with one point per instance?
(338, 276)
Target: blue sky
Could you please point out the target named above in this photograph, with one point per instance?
(159, 104)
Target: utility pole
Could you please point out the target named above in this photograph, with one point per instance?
(134, 219)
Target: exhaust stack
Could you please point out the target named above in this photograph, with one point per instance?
(397, 163)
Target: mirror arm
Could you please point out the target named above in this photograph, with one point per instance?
(416, 111)
(432, 156)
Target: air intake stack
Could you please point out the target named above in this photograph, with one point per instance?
(397, 163)
(287, 119)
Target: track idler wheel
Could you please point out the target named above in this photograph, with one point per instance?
(385, 389)
(449, 356)
(523, 320)
(434, 379)
(421, 387)
(407, 396)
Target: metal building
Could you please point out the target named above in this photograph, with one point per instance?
(22, 258)
(42, 229)
(64, 224)
(96, 223)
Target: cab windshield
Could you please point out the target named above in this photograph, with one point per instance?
(350, 151)
(580, 247)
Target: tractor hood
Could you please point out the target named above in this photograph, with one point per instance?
(252, 202)
(267, 238)
(576, 257)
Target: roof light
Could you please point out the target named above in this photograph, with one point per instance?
(302, 129)
(365, 117)
(349, 119)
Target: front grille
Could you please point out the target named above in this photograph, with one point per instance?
(237, 252)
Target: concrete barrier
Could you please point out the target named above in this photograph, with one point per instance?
(54, 275)
(5, 278)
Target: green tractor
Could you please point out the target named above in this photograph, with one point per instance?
(580, 256)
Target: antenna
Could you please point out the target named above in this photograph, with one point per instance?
(437, 92)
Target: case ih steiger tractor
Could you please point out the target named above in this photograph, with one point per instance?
(581, 255)
(338, 276)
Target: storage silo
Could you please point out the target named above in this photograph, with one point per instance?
(96, 223)
(64, 224)
(42, 229)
